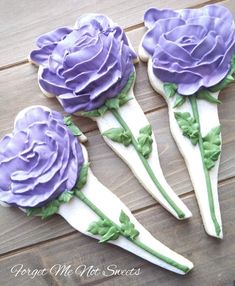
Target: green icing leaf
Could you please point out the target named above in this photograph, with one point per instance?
(180, 100)
(188, 125)
(112, 234)
(65, 197)
(205, 94)
(115, 102)
(73, 128)
(34, 212)
(99, 227)
(128, 228)
(82, 177)
(146, 130)
(119, 135)
(112, 103)
(50, 209)
(170, 89)
(46, 211)
(96, 112)
(212, 147)
(123, 218)
(125, 99)
(145, 141)
(105, 229)
(110, 231)
(122, 98)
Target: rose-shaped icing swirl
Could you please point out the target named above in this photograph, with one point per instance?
(39, 160)
(192, 47)
(84, 65)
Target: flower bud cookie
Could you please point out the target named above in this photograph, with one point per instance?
(190, 55)
(89, 68)
(44, 170)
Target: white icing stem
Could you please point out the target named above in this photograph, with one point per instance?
(208, 113)
(135, 119)
(79, 215)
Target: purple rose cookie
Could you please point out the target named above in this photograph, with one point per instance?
(191, 58)
(39, 160)
(90, 70)
(85, 65)
(45, 171)
(192, 47)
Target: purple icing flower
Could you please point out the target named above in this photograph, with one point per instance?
(39, 160)
(84, 65)
(192, 47)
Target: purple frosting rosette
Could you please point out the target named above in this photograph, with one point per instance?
(39, 160)
(85, 65)
(192, 47)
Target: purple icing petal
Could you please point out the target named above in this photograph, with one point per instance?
(40, 57)
(70, 101)
(87, 65)
(53, 37)
(195, 52)
(52, 83)
(39, 161)
(160, 28)
(153, 15)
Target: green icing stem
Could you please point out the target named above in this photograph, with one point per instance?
(147, 166)
(193, 102)
(143, 246)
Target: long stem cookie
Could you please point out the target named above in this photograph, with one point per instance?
(190, 55)
(45, 170)
(89, 68)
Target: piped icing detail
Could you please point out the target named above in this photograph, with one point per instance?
(85, 65)
(39, 160)
(192, 47)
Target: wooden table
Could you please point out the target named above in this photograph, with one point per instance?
(41, 244)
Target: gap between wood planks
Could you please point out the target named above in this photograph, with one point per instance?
(190, 194)
(127, 29)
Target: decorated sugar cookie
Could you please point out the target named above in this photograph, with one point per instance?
(44, 170)
(190, 56)
(89, 68)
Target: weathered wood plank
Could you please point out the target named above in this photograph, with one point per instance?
(23, 21)
(214, 260)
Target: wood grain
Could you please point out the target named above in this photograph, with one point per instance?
(23, 21)
(214, 260)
